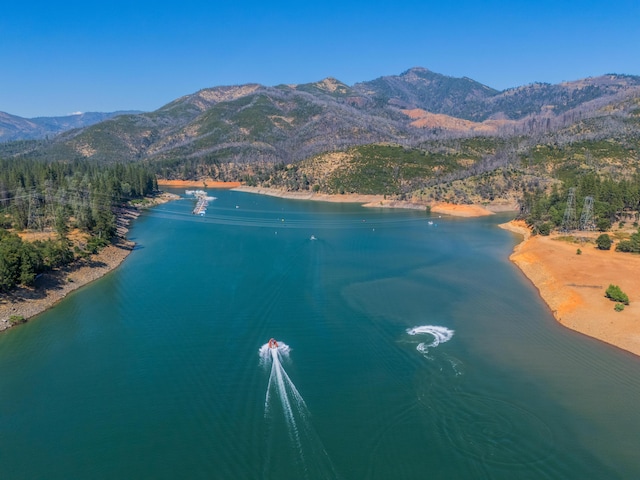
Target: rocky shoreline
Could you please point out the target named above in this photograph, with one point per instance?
(24, 303)
(53, 286)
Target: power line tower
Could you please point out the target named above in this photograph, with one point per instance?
(569, 219)
(586, 219)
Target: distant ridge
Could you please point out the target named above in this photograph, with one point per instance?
(13, 127)
(250, 123)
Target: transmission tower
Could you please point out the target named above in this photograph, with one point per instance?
(586, 219)
(569, 219)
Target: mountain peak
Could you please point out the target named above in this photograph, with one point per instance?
(416, 70)
(331, 84)
(328, 85)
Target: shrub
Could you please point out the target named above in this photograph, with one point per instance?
(578, 252)
(603, 224)
(544, 228)
(619, 307)
(631, 245)
(616, 294)
(16, 319)
(603, 242)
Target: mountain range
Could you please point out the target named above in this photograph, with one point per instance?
(13, 127)
(254, 124)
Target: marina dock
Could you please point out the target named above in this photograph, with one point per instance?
(202, 201)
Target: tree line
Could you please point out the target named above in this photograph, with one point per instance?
(59, 196)
(613, 201)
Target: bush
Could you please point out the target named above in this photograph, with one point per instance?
(632, 245)
(16, 319)
(616, 294)
(603, 224)
(603, 242)
(544, 229)
(619, 307)
(578, 252)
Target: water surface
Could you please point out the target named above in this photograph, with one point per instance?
(159, 369)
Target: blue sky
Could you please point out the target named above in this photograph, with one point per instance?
(68, 56)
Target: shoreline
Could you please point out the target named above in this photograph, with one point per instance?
(573, 286)
(53, 286)
(204, 183)
(377, 201)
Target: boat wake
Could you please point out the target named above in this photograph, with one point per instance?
(439, 335)
(305, 455)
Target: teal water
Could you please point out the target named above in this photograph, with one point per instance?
(159, 370)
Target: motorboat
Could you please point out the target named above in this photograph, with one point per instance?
(273, 343)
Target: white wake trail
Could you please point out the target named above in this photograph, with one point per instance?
(311, 457)
(439, 334)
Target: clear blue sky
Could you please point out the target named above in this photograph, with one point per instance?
(67, 56)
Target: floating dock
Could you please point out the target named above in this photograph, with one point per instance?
(202, 203)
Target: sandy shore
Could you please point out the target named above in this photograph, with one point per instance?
(573, 286)
(378, 201)
(51, 287)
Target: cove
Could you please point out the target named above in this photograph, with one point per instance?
(407, 350)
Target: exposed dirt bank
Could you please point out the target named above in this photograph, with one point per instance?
(573, 286)
(205, 183)
(378, 201)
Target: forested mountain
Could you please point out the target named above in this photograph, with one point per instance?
(433, 92)
(13, 127)
(419, 136)
(418, 133)
(289, 123)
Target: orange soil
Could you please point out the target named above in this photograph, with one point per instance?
(374, 201)
(460, 210)
(204, 183)
(573, 286)
(33, 236)
(423, 119)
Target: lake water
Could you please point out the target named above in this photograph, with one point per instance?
(161, 370)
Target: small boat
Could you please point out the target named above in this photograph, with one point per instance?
(273, 343)
(313, 237)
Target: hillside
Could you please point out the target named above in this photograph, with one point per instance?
(417, 133)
